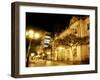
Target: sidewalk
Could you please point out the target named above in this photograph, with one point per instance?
(41, 62)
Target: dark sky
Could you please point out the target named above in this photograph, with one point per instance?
(47, 22)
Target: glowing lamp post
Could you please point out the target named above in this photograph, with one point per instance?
(31, 35)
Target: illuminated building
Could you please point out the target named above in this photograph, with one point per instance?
(77, 51)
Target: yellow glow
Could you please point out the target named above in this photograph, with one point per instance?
(32, 54)
(33, 35)
(30, 33)
(38, 51)
(43, 54)
(27, 33)
(61, 48)
(48, 52)
(36, 35)
(71, 44)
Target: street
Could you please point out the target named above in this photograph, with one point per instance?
(41, 62)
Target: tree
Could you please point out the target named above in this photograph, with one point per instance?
(72, 40)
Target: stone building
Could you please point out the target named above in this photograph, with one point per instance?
(75, 52)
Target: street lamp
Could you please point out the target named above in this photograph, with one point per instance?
(31, 35)
(36, 35)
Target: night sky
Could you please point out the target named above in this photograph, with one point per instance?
(47, 22)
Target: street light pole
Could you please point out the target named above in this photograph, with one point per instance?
(28, 53)
(31, 35)
(29, 47)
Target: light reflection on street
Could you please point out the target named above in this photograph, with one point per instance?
(41, 62)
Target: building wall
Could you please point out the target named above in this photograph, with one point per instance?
(85, 32)
(81, 29)
(78, 53)
(85, 52)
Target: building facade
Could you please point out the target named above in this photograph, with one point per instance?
(76, 50)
